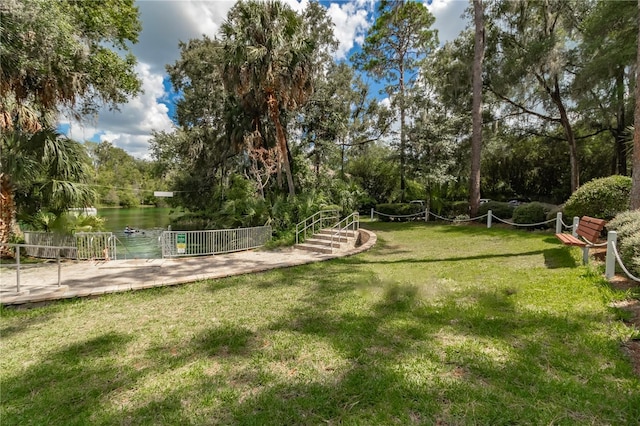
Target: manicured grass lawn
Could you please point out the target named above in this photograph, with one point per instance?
(435, 325)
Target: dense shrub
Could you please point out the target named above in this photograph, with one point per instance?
(366, 203)
(627, 226)
(455, 208)
(552, 213)
(499, 209)
(193, 221)
(127, 199)
(529, 213)
(398, 209)
(461, 219)
(602, 198)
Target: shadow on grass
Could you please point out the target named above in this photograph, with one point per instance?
(226, 340)
(68, 386)
(554, 258)
(393, 356)
(11, 330)
(380, 388)
(559, 258)
(403, 361)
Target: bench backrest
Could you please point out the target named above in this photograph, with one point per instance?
(589, 228)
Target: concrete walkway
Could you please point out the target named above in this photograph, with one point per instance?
(39, 283)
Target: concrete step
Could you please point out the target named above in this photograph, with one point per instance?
(313, 248)
(321, 242)
(348, 234)
(327, 237)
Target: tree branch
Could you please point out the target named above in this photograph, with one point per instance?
(523, 108)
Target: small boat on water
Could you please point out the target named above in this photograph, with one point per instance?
(128, 230)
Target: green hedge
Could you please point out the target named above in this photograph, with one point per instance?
(627, 225)
(530, 213)
(603, 198)
(499, 209)
(455, 208)
(398, 209)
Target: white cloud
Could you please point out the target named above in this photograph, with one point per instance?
(131, 127)
(448, 14)
(207, 16)
(165, 23)
(297, 5)
(351, 21)
(80, 131)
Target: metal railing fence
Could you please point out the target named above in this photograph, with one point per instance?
(200, 243)
(342, 228)
(45, 245)
(85, 245)
(315, 222)
(95, 245)
(27, 247)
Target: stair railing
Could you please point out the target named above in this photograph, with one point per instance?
(349, 223)
(316, 222)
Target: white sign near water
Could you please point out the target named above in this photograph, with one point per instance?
(163, 194)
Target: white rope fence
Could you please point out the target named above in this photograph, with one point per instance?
(399, 216)
(612, 250)
(561, 222)
(489, 215)
(523, 224)
(425, 214)
(613, 256)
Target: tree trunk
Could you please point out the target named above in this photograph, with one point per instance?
(476, 109)
(635, 184)
(568, 132)
(7, 214)
(403, 141)
(621, 145)
(274, 114)
(342, 160)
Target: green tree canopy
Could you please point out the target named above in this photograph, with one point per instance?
(66, 53)
(270, 59)
(56, 54)
(400, 38)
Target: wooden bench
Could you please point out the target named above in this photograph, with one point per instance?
(589, 228)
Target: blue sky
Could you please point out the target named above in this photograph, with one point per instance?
(166, 22)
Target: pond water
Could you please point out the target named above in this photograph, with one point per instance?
(149, 222)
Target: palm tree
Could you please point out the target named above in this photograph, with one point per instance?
(268, 59)
(39, 171)
(55, 54)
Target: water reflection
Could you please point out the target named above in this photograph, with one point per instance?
(149, 222)
(143, 244)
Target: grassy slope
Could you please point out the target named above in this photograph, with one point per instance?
(449, 324)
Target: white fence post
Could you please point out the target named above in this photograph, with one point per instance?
(371, 213)
(18, 268)
(559, 223)
(489, 217)
(610, 270)
(59, 270)
(574, 229)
